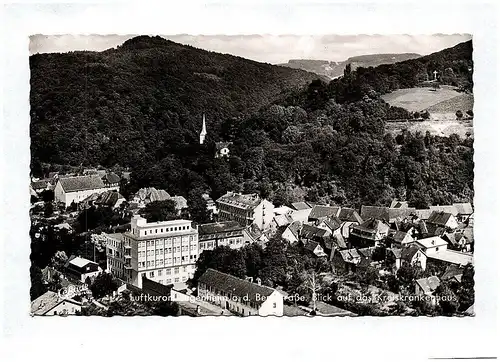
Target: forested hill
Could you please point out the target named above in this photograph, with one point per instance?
(142, 100)
(454, 66)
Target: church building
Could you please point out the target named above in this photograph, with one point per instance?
(203, 132)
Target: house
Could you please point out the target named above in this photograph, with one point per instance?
(431, 245)
(450, 257)
(386, 214)
(252, 234)
(242, 297)
(81, 269)
(292, 232)
(366, 253)
(109, 198)
(427, 286)
(281, 220)
(180, 203)
(78, 188)
(211, 207)
(457, 241)
(422, 214)
(312, 233)
(396, 204)
(332, 224)
(320, 212)
(369, 233)
(247, 209)
(413, 255)
(349, 217)
(315, 248)
(222, 149)
(111, 179)
(461, 211)
(442, 219)
(301, 211)
(40, 186)
(396, 238)
(224, 233)
(51, 303)
(345, 261)
(149, 194)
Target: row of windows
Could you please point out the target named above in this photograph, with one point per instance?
(176, 249)
(167, 261)
(168, 271)
(170, 229)
(170, 241)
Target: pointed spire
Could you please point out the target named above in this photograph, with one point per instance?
(203, 132)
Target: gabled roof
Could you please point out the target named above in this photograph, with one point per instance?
(333, 222)
(430, 284)
(396, 235)
(409, 252)
(41, 184)
(450, 209)
(109, 198)
(47, 301)
(244, 201)
(396, 252)
(451, 271)
(111, 178)
(319, 211)
(399, 204)
(350, 255)
(366, 252)
(339, 240)
(180, 202)
(235, 286)
(351, 215)
(431, 242)
(422, 214)
(372, 225)
(385, 213)
(219, 227)
(81, 183)
(294, 227)
(310, 232)
(439, 218)
(301, 206)
(151, 194)
(79, 262)
(311, 246)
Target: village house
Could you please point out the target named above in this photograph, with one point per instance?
(412, 255)
(427, 287)
(396, 238)
(222, 149)
(313, 233)
(442, 219)
(211, 207)
(241, 297)
(315, 248)
(345, 261)
(349, 217)
(280, 221)
(301, 211)
(247, 209)
(386, 214)
(110, 198)
(461, 211)
(51, 303)
(321, 212)
(252, 234)
(332, 224)
(149, 194)
(81, 268)
(292, 232)
(224, 233)
(457, 241)
(75, 189)
(369, 233)
(111, 179)
(431, 245)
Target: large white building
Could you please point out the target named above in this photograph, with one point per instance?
(164, 251)
(247, 209)
(78, 188)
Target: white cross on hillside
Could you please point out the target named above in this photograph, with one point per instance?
(435, 74)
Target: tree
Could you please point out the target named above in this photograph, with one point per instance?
(103, 284)
(379, 253)
(465, 292)
(197, 207)
(37, 286)
(447, 299)
(59, 259)
(48, 209)
(160, 211)
(408, 273)
(426, 115)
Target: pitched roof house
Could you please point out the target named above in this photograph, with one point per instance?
(78, 188)
(442, 219)
(319, 212)
(386, 214)
(427, 286)
(240, 296)
(51, 303)
(292, 232)
(371, 231)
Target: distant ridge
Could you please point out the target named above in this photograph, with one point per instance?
(333, 70)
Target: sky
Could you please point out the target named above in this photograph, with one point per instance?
(272, 49)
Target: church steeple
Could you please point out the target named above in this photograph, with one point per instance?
(203, 132)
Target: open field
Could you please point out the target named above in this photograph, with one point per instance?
(419, 99)
(438, 128)
(462, 102)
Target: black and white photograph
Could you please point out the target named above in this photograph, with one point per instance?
(252, 175)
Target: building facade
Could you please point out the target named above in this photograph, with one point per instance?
(246, 209)
(165, 251)
(78, 188)
(115, 254)
(226, 233)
